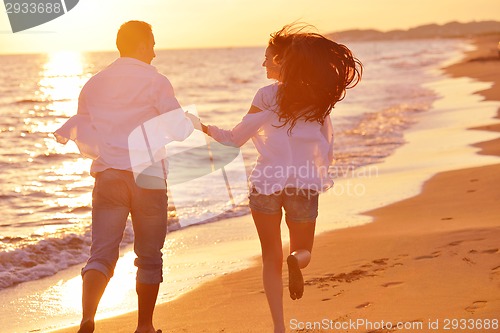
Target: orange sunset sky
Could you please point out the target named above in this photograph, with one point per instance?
(92, 24)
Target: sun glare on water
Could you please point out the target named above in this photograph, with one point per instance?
(62, 77)
(61, 80)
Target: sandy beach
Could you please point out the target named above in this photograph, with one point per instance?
(430, 263)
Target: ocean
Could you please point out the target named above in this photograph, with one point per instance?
(46, 187)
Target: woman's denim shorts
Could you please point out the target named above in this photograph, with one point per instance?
(301, 205)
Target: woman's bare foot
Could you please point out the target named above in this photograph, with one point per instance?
(295, 279)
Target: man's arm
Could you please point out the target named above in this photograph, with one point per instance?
(168, 106)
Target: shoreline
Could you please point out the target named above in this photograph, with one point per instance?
(444, 264)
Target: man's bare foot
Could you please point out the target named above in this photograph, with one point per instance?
(86, 327)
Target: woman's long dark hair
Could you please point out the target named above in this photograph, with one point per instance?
(315, 73)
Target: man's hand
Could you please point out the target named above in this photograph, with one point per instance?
(195, 120)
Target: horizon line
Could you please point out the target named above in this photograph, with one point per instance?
(116, 50)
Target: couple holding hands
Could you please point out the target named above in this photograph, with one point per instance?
(288, 122)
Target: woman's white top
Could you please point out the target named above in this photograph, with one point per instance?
(300, 159)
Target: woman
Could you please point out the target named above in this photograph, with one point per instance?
(289, 124)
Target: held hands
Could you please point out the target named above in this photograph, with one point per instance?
(194, 119)
(196, 122)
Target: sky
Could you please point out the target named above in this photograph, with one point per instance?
(92, 24)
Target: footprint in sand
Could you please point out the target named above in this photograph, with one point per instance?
(429, 256)
(495, 272)
(325, 281)
(364, 305)
(476, 306)
(382, 261)
(469, 261)
(400, 257)
(425, 257)
(458, 242)
(491, 251)
(391, 284)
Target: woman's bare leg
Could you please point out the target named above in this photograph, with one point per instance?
(301, 243)
(269, 230)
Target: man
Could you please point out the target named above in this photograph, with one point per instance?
(113, 103)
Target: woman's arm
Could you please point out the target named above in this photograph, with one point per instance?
(327, 131)
(241, 133)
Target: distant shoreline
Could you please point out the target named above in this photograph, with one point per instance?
(452, 30)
